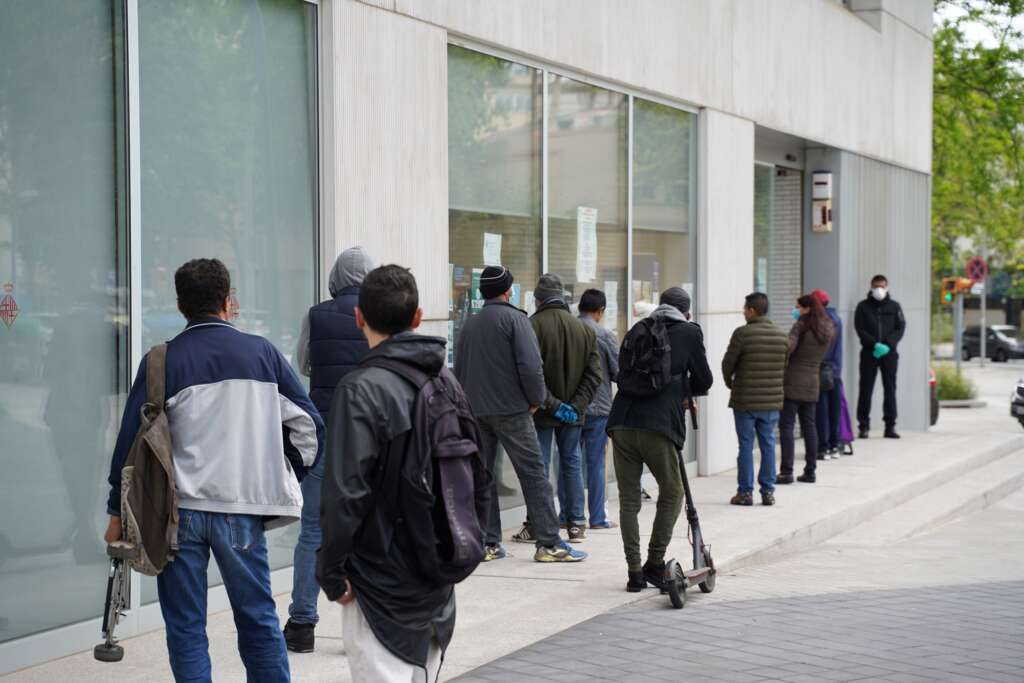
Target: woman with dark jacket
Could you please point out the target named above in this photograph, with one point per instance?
(809, 339)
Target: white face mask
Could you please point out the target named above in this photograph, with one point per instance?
(878, 293)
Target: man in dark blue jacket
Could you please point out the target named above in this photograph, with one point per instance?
(243, 433)
(829, 402)
(330, 345)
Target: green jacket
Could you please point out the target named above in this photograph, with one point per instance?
(754, 365)
(572, 364)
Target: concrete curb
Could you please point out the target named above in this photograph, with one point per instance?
(968, 403)
(835, 524)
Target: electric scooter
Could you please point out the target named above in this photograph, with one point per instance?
(677, 580)
(118, 602)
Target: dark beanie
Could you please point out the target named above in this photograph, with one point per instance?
(495, 281)
(676, 297)
(549, 287)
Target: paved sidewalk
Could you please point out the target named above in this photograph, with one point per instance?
(944, 606)
(512, 603)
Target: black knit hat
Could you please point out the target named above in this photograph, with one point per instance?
(495, 281)
(677, 297)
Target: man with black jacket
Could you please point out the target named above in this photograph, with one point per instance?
(880, 325)
(395, 622)
(650, 431)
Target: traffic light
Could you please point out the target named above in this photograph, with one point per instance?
(951, 286)
(948, 290)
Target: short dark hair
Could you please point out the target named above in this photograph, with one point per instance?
(592, 301)
(388, 299)
(757, 302)
(879, 278)
(202, 285)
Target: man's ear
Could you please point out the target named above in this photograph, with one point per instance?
(416, 319)
(360, 320)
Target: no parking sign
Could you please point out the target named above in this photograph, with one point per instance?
(977, 269)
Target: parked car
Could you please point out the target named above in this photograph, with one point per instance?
(933, 394)
(1001, 343)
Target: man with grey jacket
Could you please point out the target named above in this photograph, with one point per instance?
(498, 364)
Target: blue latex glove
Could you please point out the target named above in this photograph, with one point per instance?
(880, 350)
(566, 413)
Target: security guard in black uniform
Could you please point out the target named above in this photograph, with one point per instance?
(880, 325)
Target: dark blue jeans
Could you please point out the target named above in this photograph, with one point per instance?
(240, 548)
(570, 472)
(593, 441)
(305, 589)
(828, 419)
(762, 424)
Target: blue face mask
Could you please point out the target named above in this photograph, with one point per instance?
(796, 314)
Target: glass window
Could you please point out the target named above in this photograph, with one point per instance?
(587, 192)
(228, 119)
(664, 211)
(63, 335)
(494, 180)
(764, 180)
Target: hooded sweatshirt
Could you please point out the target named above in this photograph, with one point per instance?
(663, 413)
(330, 344)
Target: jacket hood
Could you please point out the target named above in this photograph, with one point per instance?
(349, 270)
(669, 313)
(425, 352)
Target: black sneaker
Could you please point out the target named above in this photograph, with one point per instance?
(863, 433)
(767, 498)
(654, 574)
(807, 478)
(784, 479)
(636, 582)
(890, 433)
(299, 637)
(822, 455)
(577, 533)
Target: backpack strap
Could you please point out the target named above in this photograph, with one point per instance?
(406, 371)
(156, 376)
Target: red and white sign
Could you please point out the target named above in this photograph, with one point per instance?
(8, 306)
(977, 269)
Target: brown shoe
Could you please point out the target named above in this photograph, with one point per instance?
(742, 499)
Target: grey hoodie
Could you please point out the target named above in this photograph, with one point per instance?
(350, 268)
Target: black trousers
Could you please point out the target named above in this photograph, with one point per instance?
(807, 411)
(828, 419)
(869, 367)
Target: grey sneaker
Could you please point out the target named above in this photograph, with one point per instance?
(559, 553)
(577, 534)
(524, 535)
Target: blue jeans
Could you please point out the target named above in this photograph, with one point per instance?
(570, 473)
(593, 441)
(828, 419)
(240, 548)
(305, 588)
(762, 423)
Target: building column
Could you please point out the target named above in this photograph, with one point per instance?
(725, 266)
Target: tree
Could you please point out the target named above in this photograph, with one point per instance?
(978, 143)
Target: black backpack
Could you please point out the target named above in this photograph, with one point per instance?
(645, 359)
(442, 488)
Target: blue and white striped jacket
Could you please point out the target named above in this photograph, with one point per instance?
(243, 429)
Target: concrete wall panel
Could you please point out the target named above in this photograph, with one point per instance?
(807, 67)
(390, 143)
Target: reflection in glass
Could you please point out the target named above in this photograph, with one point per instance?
(664, 211)
(228, 154)
(494, 168)
(587, 192)
(664, 148)
(63, 335)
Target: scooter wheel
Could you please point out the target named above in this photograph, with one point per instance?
(708, 584)
(675, 584)
(108, 653)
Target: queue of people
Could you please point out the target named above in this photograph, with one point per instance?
(353, 460)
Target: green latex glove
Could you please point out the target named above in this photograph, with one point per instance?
(880, 350)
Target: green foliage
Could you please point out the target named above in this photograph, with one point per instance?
(953, 386)
(978, 143)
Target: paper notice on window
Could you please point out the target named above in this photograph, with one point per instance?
(586, 244)
(451, 287)
(451, 344)
(611, 311)
(476, 299)
(529, 303)
(492, 249)
(516, 295)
